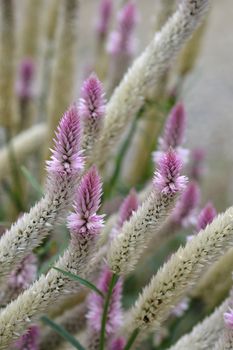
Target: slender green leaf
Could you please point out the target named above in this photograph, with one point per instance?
(62, 332)
(80, 280)
(32, 180)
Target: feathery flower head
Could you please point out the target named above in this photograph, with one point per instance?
(29, 340)
(121, 40)
(96, 303)
(128, 206)
(197, 158)
(25, 79)
(173, 135)
(24, 274)
(228, 318)
(105, 11)
(66, 156)
(184, 212)
(86, 204)
(92, 102)
(118, 344)
(206, 216)
(167, 178)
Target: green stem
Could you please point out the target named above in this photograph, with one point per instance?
(132, 338)
(105, 310)
(121, 155)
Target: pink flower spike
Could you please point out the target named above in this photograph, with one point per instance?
(25, 273)
(167, 178)
(92, 102)
(96, 303)
(129, 205)
(174, 128)
(206, 216)
(87, 202)
(121, 40)
(118, 344)
(25, 79)
(197, 159)
(184, 212)
(29, 340)
(228, 318)
(66, 156)
(105, 12)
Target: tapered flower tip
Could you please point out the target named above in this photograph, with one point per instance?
(184, 212)
(92, 102)
(174, 128)
(114, 318)
(129, 205)
(197, 159)
(66, 156)
(121, 40)
(86, 204)
(118, 344)
(105, 12)
(29, 340)
(206, 216)
(25, 273)
(167, 178)
(228, 318)
(25, 78)
(128, 16)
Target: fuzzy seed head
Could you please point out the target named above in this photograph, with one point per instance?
(66, 156)
(87, 202)
(167, 178)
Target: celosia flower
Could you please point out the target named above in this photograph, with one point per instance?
(167, 179)
(118, 344)
(136, 233)
(121, 40)
(25, 79)
(146, 72)
(184, 212)
(105, 12)
(84, 227)
(87, 202)
(173, 135)
(92, 102)
(63, 169)
(66, 156)
(183, 269)
(29, 340)
(197, 158)
(96, 304)
(25, 273)
(127, 208)
(206, 216)
(92, 110)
